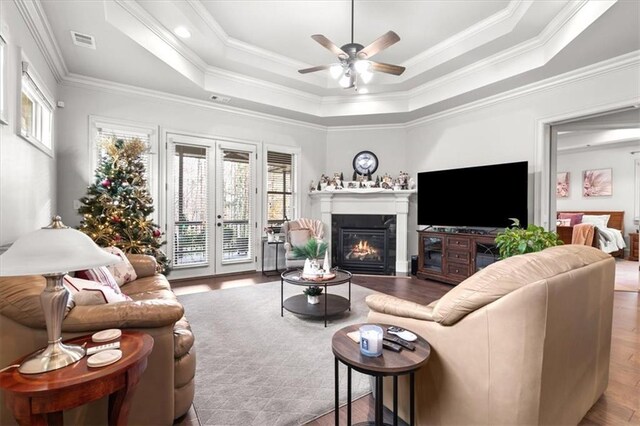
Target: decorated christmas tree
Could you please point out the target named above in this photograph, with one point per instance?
(117, 208)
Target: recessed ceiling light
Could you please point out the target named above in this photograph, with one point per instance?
(182, 32)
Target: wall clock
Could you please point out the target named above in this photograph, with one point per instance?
(365, 162)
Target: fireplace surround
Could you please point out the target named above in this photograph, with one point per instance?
(326, 204)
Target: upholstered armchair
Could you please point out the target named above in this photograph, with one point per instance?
(298, 233)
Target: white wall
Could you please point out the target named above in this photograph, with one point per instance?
(623, 164)
(508, 130)
(27, 175)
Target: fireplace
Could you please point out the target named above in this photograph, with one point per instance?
(364, 243)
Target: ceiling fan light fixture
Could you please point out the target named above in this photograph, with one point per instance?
(182, 32)
(345, 81)
(362, 66)
(366, 76)
(336, 70)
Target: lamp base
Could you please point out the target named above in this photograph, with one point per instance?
(56, 355)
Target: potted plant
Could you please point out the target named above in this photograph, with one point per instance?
(312, 250)
(270, 234)
(516, 240)
(313, 294)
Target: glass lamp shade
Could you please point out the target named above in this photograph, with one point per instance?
(53, 250)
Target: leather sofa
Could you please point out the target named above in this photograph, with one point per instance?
(524, 341)
(167, 387)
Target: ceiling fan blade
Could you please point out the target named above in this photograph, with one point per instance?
(387, 68)
(314, 69)
(328, 44)
(379, 44)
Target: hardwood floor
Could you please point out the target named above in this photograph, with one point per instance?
(619, 405)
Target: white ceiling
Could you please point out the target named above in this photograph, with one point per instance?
(250, 51)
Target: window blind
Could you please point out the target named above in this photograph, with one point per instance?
(279, 189)
(191, 206)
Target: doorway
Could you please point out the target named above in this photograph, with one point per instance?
(211, 198)
(593, 171)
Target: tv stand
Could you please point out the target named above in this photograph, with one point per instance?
(452, 256)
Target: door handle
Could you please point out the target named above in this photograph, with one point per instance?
(219, 224)
(219, 216)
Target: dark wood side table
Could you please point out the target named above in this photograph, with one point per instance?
(39, 399)
(390, 363)
(633, 246)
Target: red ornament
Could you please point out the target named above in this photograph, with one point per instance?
(117, 238)
(106, 183)
(156, 233)
(115, 219)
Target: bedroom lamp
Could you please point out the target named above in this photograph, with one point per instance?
(52, 252)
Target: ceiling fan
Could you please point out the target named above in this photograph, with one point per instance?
(355, 60)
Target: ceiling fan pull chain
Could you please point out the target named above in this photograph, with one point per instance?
(352, 5)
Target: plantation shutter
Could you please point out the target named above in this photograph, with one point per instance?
(191, 206)
(279, 189)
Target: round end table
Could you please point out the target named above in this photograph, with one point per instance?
(390, 363)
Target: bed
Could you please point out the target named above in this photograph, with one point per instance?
(609, 239)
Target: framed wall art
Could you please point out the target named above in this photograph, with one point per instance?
(562, 184)
(597, 183)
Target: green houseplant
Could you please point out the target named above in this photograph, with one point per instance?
(312, 250)
(516, 240)
(313, 293)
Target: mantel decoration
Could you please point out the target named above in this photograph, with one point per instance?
(363, 183)
(516, 240)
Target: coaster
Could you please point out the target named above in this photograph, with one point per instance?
(106, 335)
(104, 358)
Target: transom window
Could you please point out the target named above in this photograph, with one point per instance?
(36, 111)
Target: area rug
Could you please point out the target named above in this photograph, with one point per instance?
(257, 368)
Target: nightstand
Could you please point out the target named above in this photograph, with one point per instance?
(633, 246)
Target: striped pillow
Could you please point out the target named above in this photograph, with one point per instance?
(85, 292)
(102, 275)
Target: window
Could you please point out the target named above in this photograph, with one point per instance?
(102, 128)
(36, 111)
(637, 185)
(279, 188)
(190, 204)
(3, 81)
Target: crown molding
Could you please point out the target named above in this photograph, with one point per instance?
(105, 86)
(38, 25)
(628, 60)
(479, 34)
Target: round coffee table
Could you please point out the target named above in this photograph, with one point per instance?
(389, 363)
(330, 304)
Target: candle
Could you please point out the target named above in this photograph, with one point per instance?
(371, 340)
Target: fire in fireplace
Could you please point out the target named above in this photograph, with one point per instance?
(362, 251)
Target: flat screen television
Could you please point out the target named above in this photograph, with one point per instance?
(483, 196)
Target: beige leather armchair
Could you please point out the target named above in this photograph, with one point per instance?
(524, 341)
(297, 233)
(167, 386)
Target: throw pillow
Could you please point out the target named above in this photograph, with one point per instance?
(101, 275)
(85, 292)
(299, 237)
(599, 221)
(122, 272)
(575, 218)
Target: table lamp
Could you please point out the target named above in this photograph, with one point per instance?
(52, 252)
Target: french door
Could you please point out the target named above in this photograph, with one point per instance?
(211, 199)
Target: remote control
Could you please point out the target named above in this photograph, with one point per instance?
(401, 342)
(391, 346)
(94, 349)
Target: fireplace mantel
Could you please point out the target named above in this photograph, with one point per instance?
(369, 201)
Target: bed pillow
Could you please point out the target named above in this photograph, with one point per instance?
(122, 272)
(599, 221)
(575, 218)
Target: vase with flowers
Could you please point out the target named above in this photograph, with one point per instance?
(271, 235)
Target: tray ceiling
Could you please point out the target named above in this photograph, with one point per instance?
(250, 51)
